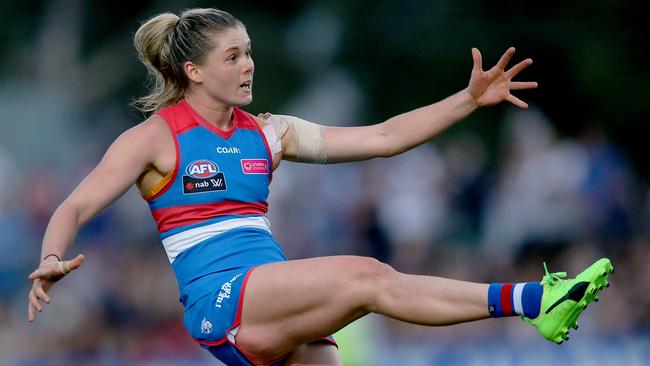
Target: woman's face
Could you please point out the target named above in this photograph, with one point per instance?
(227, 74)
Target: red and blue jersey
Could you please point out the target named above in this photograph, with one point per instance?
(210, 210)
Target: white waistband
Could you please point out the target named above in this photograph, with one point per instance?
(184, 240)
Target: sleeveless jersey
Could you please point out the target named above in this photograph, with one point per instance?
(210, 211)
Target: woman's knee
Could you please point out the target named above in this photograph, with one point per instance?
(371, 279)
(369, 269)
(260, 346)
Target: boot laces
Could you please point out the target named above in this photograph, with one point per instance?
(552, 278)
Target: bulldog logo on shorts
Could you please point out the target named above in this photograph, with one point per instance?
(206, 326)
(203, 176)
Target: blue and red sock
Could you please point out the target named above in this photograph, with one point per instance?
(510, 299)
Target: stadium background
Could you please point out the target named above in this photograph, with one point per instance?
(565, 182)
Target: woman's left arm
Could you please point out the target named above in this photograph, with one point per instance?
(410, 129)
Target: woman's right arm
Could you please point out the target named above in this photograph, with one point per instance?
(130, 155)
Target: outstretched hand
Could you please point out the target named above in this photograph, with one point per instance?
(47, 273)
(494, 85)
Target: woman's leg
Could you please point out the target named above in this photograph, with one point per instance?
(288, 304)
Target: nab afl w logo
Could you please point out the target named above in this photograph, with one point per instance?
(203, 176)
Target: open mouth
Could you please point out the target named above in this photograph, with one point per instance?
(246, 86)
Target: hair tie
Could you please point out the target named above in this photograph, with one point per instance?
(51, 255)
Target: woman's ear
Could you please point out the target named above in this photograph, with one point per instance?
(192, 71)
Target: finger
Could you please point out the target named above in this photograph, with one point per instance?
(34, 301)
(39, 273)
(478, 60)
(41, 294)
(63, 267)
(519, 85)
(76, 262)
(518, 67)
(30, 312)
(516, 101)
(503, 61)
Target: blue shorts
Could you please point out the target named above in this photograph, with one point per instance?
(214, 319)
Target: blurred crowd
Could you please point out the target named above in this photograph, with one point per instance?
(449, 208)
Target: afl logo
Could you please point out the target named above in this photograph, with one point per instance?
(202, 169)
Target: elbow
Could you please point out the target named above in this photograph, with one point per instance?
(390, 147)
(387, 152)
(394, 143)
(393, 150)
(387, 147)
(71, 210)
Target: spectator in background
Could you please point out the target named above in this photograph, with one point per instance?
(536, 197)
(606, 191)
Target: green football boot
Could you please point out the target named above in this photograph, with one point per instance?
(563, 300)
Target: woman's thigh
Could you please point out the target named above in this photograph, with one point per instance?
(288, 304)
(317, 353)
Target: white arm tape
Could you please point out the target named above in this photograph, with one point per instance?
(308, 137)
(275, 143)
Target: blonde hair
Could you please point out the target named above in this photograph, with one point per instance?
(166, 41)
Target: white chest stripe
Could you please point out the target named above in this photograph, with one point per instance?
(177, 243)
